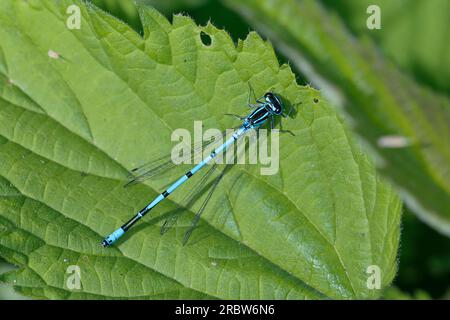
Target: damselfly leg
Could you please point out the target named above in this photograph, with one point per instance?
(203, 206)
(235, 115)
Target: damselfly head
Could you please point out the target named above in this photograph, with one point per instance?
(274, 103)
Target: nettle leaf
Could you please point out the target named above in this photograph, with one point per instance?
(405, 126)
(79, 108)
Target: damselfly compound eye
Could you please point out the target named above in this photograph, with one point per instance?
(275, 102)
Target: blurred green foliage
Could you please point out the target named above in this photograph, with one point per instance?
(424, 259)
(414, 34)
(124, 10)
(394, 293)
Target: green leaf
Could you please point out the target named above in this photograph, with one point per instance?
(106, 100)
(379, 101)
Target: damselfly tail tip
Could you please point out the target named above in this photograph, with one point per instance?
(113, 237)
(105, 244)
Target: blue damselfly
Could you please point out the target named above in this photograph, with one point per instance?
(266, 109)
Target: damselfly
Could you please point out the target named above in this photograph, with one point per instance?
(266, 109)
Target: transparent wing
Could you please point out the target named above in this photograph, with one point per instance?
(204, 204)
(164, 164)
(189, 199)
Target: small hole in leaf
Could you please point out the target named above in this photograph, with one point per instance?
(53, 54)
(316, 100)
(206, 38)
